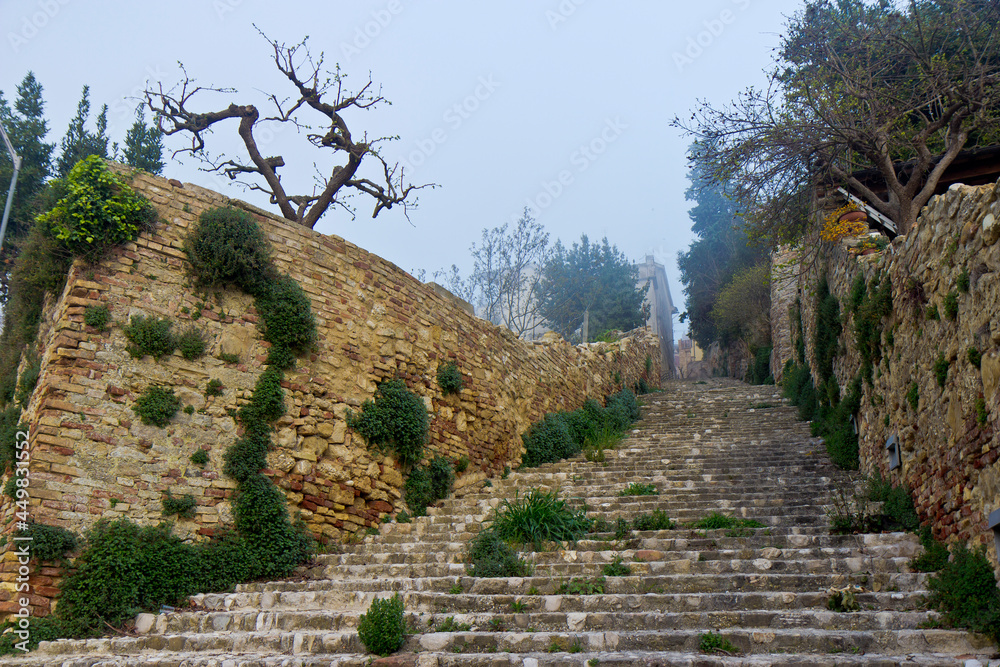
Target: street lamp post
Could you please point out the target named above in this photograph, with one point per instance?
(16, 159)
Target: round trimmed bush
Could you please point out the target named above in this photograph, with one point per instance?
(382, 630)
(228, 247)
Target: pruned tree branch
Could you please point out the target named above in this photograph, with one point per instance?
(318, 91)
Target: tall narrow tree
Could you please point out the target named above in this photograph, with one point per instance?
(26, 126)
(79, 142)
(144, 144)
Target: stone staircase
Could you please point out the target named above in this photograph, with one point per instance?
(720, 446)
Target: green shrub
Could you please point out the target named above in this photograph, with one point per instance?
(538, 517)
(200, 458)
(951, 305)
(490, 556)
(150, 335)
(449, 378)
(191, 343)
(827, 331)
(716, 521)
(189, 409)
(275, 544)
(418, 491)
(935, 555)
(932, 313)
(913, 395)
(712, 643)
(982, 415)
(874, 306)
(396, 419)
(228, 247)
(941, 370)
(975, 357)
(382, 630)
(157, 406)
(97, 316)
(547, 441)
(97, 212)
(49, 543)
(442, 476)
(28, 381)
(655, 520)
(638, 489)
(247, 456)
(859, 290)
(630, 406)
(462, 464)
(898, 510)
(9, 426)
(963, 281)
(286, 316)
(965, 591)
(229, 357)
(182, 507)
(125, 569)
(267, 404)
(616, 568)
(214, 387)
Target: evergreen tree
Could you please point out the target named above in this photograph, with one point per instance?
(79, 142)
(26, 126)
(720, 252)
(144, 145)
(591, 286)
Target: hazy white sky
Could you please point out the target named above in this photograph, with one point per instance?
(497, 102)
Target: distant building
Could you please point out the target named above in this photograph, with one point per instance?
(661, 311)
(689, 359)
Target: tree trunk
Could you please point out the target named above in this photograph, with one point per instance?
(586, 326)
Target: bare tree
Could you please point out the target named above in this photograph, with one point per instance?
(896, 89)
(507, 271)
(317, 90)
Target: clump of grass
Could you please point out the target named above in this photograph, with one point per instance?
(716, 520)
(539, 517)
(638, 489)
(616, 568)
(713, 643)
(655, 520)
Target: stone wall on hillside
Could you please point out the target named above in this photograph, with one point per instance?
(91, 457)
(949, 442)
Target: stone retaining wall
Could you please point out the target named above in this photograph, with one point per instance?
(949, 453)
(92, 458)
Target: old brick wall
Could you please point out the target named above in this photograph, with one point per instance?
(949, 458)
(91, 457)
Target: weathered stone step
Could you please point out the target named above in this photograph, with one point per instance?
(647, 583)
(551, 621)
(448, 603)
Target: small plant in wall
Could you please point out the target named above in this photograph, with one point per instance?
(191, 343)
(214, 387)
(97, 316)
(395, 419)
(157, 406)
(200, 458)
(149, 335)
(183, 507)
(449, 378)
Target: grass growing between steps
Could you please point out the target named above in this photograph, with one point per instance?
(718, 521)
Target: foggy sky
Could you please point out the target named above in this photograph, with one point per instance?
(562, 106)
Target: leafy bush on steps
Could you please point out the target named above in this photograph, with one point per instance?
(965, 591)
(418, 491)
(560, 435)
(382, 630)
(442, 476)
(157, 406)
(396, 420)
(490, 556)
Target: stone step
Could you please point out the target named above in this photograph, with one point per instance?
(547, 621)
(747, 640)
(448, 603)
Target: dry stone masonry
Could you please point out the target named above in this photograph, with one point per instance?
(721, 447)
(946, 301)
(91, 457)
